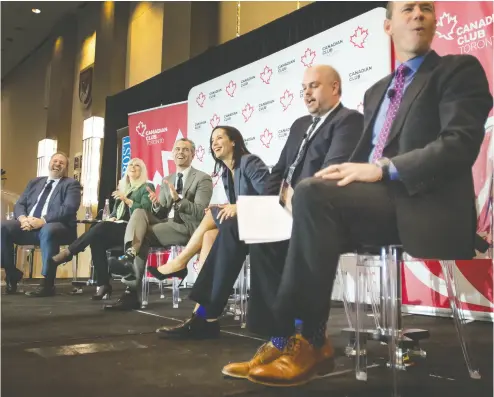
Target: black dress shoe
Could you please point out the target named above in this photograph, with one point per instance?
(160, 276)
(12, 280)
(123, 265)
(42, 291)
(128, 301)
(194, 328)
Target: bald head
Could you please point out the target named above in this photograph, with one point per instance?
(322, 89)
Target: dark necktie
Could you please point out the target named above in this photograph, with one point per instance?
(42, 200)
(392, 111)
(302, 150)
(179, 189)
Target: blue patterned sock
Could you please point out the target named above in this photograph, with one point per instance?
(201, 312)
(316, 336)
(279, 342)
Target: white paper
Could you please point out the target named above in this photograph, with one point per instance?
(261, 219)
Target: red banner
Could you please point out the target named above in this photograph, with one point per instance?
(152, 135)
(467, 28)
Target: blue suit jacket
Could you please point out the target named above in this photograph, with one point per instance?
(64, 201)
(249, 177)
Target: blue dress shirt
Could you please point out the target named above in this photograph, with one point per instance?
(414, 65)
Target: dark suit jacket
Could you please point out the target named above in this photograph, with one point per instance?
(197, 193)
(63, 205)
(250, 175)
(333, 143)
(433, 143)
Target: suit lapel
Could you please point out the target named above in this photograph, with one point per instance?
(37, 191)
(188, 181)
(411, 93)
(236, 179)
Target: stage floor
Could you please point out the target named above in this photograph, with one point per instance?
(68, 346)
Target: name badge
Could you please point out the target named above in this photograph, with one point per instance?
(285, 196)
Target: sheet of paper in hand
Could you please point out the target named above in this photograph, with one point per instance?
(261, 219)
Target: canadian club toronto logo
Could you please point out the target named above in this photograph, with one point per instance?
(286, 99)
(358, 37)
(200, 99)
(470, 36)
(200, 153)
(266, 137)
(230, 88)
(141, 128)
(308, 58)
(266, 74)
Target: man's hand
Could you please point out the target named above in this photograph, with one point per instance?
(24, 223)
(35, 223)
(112, 219)
(173, 192)
(351, 172)
(152, 196)
(227, 211)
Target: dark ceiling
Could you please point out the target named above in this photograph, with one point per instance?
(23, 31)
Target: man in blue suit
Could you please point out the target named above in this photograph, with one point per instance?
(45, 215)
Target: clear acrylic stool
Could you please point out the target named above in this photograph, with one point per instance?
(402, 343)
(160, 255)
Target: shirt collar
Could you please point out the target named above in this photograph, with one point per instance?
(325, 115)
(414, 63)
(185, 172)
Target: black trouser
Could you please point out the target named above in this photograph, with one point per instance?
(328, 220)
(100, 237)
(220, 270)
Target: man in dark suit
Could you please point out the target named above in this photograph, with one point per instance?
(409, 182)
(176, 213)
(45, 215)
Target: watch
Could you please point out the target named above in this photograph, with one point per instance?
(384, 163)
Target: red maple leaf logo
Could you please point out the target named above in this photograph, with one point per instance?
(200, 153)
(359, 36)
(286, 99)
(214, 121)
(247, 112)
(230, 88)
(266, 74)
(195, 265)
(141, 128)
(266, 137)
(308, 58)
(360, 107)
(200, 99)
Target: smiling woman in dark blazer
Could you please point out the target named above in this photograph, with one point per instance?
(243, 174)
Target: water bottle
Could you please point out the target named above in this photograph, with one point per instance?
(106, 210)
(88, 216)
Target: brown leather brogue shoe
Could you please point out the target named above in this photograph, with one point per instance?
(299, 363)
(266, 354)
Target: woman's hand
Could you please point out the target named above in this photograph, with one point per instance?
(118, 195)
(227, 211)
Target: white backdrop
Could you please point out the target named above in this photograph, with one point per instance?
(263, 99)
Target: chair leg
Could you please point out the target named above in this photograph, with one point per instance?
(145, 288)
(75, 264)
(176, 291)
(360, 334)
(243, 294)
(448, 268)
(30, 252)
